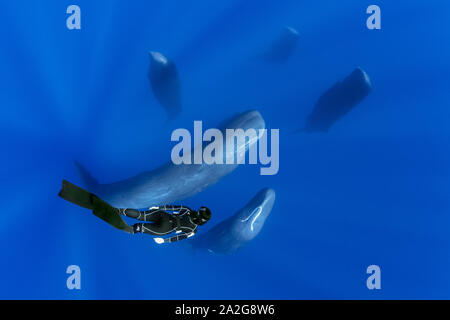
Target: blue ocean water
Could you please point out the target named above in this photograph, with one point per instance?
(373, 190)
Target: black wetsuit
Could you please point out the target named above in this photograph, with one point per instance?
(163, 222)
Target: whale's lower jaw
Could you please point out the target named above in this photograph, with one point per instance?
(235, 232)
(251, 219)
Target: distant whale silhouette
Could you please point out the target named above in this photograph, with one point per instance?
(283, 46)
(170, 182)
(165, 83)
(338, 101)
(231, 234)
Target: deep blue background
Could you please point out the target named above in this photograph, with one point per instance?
(374, 190)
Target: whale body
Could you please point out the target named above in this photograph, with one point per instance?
(171, 183)
(234, 232)
(165, 83)
(338, 101)
(283, 46)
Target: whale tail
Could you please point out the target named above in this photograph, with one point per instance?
(88, 180)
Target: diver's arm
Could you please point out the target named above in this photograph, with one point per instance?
(176, 238)
(186, 233)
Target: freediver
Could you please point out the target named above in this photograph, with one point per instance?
(182, 220)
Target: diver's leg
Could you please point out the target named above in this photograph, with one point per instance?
(131, 213)
(165, 224)
(152, 215)
(111, 215)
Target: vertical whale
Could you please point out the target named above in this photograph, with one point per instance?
(234, 232)
(337, 101)
(165, 83)
(283, 46)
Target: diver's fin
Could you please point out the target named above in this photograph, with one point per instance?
(76, 195)
(89, 181)
(100, 208)
(110, 215)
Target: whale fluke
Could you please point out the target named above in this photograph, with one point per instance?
(165, 83)
(338, 101)
(88, 180)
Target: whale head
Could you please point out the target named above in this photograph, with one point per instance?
(248, 222)
(246, 126)
(250, 119)
(291, 32)
(362, 77)
(231, 234)
(158, 58)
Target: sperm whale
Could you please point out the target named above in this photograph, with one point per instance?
(283, 46)
(339, 100)
(165, 83)
(233, 233)
(171, 183)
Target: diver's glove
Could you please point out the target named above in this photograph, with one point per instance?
(159, 240)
